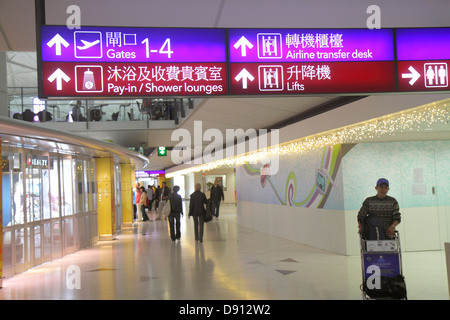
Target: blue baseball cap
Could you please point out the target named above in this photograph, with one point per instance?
(381, 181)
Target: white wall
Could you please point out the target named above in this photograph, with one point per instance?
(319, 228)
(425, 223)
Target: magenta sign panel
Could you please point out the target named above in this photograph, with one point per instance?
(144, 62)
(116, 62)
(287, 61)
(423, 59)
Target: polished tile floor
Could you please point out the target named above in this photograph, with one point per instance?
(233, 262)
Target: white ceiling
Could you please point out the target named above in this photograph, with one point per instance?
(17, 34)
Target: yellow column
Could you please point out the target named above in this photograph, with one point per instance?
(127, 195)
(106, 204)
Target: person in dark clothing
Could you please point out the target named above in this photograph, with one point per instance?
(379, 215)
(176, 209)
(216, 196)
(157, 193)
(197, 211)
(143, 203)
(164, 196)
(28, 115)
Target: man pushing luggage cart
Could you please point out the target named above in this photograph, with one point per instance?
(381, 260)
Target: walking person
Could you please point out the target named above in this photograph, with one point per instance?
(176, 209)
(137, 201)
(157, 193)
(197, 211)
(164, 195)
(216, 196)
(143, 203)
(150, 197)
(379, 214)
(134, 205)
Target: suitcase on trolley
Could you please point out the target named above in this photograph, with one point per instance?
(382, 272)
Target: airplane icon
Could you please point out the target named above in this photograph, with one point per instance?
(88, 44)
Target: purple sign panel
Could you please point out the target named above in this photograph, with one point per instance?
(311, 45)
(423, 44)
(117, 44)
(423, 59)
(388, 263)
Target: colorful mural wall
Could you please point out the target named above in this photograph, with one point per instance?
(328, 186)
(311, 180)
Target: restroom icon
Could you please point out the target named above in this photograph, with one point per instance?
(436, 75)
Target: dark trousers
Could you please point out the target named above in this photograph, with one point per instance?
(174, 223)
(144, 215)
(198, 228)
(215, 205)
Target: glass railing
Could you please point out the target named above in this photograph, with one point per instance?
(24, 105)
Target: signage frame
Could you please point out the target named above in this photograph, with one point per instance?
(399, 88)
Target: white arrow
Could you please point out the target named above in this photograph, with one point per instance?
(57, 41)
(59, 75)
(244, 75)
(414, 75)
(243, 43)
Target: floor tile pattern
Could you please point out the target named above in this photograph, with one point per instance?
(233, 262)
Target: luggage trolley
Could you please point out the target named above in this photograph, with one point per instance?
(382, 272)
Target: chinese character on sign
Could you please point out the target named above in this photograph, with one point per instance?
(269, 45)
(144, 74)
(308, 40)
(114, 73)
(308, 72)
(270, 78)
(187, 73)
(293, 40)
(322, 40)
(215, 73)
(113, 39)
(129, 73)
(129, 39)
(323, 72)
(294, 70)
(201, 73)
(172, 73)
(336, 40)
(158, 73)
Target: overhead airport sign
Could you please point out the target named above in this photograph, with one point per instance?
(110, 62)
(423, 59)
(143, 62)
(311, 61)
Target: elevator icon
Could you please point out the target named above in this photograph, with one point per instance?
(269, 46)
(270, 78)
